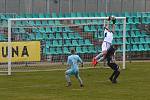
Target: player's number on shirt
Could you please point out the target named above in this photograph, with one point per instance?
(106, 34)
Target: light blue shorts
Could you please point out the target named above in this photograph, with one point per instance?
(72, 72)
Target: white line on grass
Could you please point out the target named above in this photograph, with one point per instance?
(52, 69)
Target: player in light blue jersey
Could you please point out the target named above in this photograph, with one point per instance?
(73, 68)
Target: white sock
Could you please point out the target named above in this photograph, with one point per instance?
(102, 58)
(68, 78)
(99, 55)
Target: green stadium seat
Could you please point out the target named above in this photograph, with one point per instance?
(77, 36)
(147, 39)
(57, 22)
(32, 36)
(65, 36)
(39, 36)
(88, 42)
(114, 41)
(117, 27)
(128, 47)
(141, 47)
(79, 50)
(71, 36)
(145, 20)
(128, 34)
(135, 48)
(83, 21)
(128, 28)
(58, 36)
(18, 23)
(48, 30)
(51, 22)
(51, 36)
(15, 30)
(85, 49)
(38, 23)
(3, 37)
(44, 23)
(75, 43)
(26, 23)
(93, 28)
(87, 29)
(144, 15)
(67, 29)
(45, 36)
(119, 41)
(21, 30)
(31, 22)
(98, 35)
(136, 20)
(130, 20)
(59, 29)
(147, 47)
(136, 40)
(81, 42)
(2, 17)
(92, 49)
(54, 29)
(59, 50)
(132, 40)
(137, 34)
(142, 40)
(68, 43)
(56, 43)
(66, 50)
(52, 51)
(77, 22)
(42, 30)
(127, 41)
(133, 34)
(88, 21)
(48, 44)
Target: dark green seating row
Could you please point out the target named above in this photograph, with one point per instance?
(66, 50)
(57, 43)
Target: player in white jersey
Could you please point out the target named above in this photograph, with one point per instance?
(108, 38)
(72, 63)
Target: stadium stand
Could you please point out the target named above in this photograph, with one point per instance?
(59, 40)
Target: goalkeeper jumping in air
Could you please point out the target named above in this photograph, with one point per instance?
(72, 63)
(108, 38)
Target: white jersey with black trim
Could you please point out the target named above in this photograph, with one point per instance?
(108, 36)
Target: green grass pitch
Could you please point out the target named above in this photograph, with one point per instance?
(133, 84)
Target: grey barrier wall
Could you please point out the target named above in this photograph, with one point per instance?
(43, 6)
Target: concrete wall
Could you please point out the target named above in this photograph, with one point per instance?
(43, 6)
